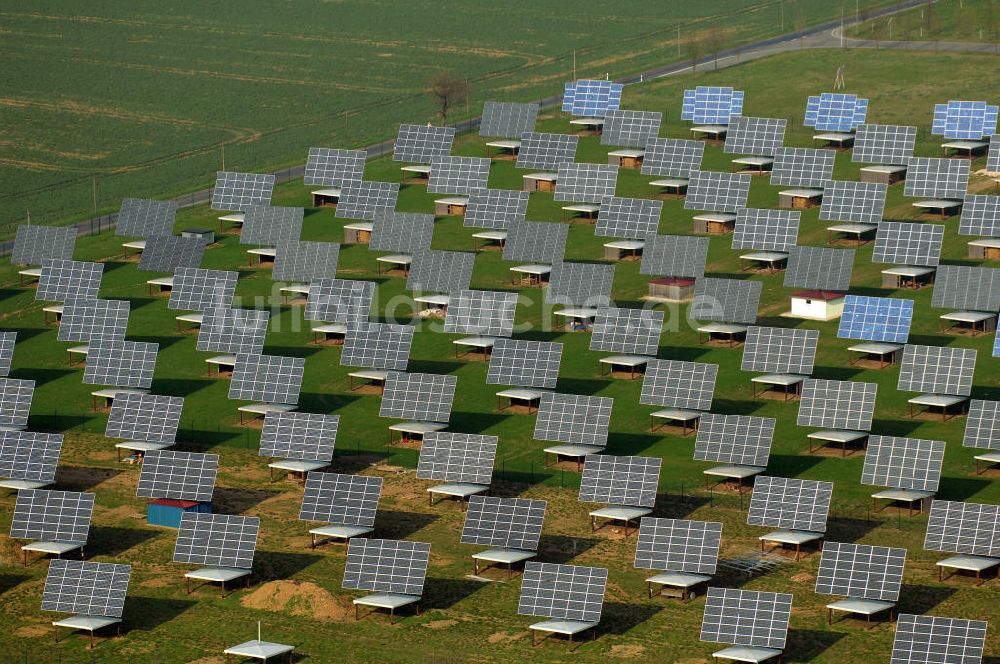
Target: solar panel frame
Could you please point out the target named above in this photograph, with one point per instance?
(766, 230)
(267, 378)
(60, 516)
(218, 540)
(267, 225)
(884, 144)
(149, 418)
(535, 241)
(197, 289)
(937, 369)
(367, 200)
(580, 284)
(757, 136)
(566, 592)
(457, 457)
(178, 475)
(120, 363)
(301, 436)
(418, 396)
(495, 208)
(980, 216)
(717, 192)
(678, 545)
(727, 300)
(746, 617)
(167, 253)
(737, 439)
(857, 202)
(839, 112)
(982, 425)
(782, 502)
(969, 120)
(349, 500)
(234, 331)
(86, 320)
(422, 143)
(86, 588)
(712, 104)
(780, 350)
(971, 529)
(632, 218)
(632, 129)
(573, 418)
(623, 330)
(8, 340)
(33, 245)
(679, 384)
(29, 456)
(513, 523)
(819, 268)
(458, 175)
(406, 232)
(64, 279)
(507, 119)
(907, 243)
(440, 271)
(585, 183)
(966, 287)
(802, 167)
(937, 177)
(546, 150)
(143, 217)
(672, 157)
(524, 363)
(876, 319)
(936, 640)
(837, 404)
(298, 260)
(594, 98)
(903, 463)
(340, 300)
(675, 256)
(238, 191)
(381, 565)
(377, 345)
(860, 571)
(620, 480)
(330, 167)
(489, 313)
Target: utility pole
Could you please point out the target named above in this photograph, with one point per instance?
(782, 3)
(890, 27)
(574, 64)
(223, 148)
(678, 41)
(93, 181)
(842, 27)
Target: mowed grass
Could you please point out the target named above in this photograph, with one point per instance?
(116, 99)
(951, 20)
(465, 620)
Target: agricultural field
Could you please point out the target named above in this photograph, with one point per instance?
(950, 20)
(296, 591)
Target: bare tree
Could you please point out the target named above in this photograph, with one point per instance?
(447, 90)
(693, 46)
(713, 42)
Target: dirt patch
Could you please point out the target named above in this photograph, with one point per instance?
(31, 631)
(158, 582)
(119, 513)
(803, 577)
(505, 636)
(441, 624)
(209, 660)
(627, 652)
(300, 598)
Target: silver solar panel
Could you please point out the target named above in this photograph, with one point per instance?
(884, 144)
(218, 540)
(296, 260)
(340, 300)
(781, 502)
(168, 253)
(89, 320)
(937, 177)
(178, 475)
(632, 218)
(546, 151)
(802, 167)
(267, 378)
(457, 457)
(567, 592)
(580, 284)
(780, 350)
(64, 279)
(29, 456)
(507, 119)
(674, 256)
(717, 192)
(573, 418)
(727, 300)
(433, 270)
(620, 480)
(495, 208)
(819, 268)
(993, 156)
(377, 345)
(367, 200)
(34, 244)
(418, 396)
(513, 523)
(746, 618)
(756, 136)
(739, 439)
(458, 175)
(421, 143)
(524, 363)
(148, 418)
(541, 241)
(142, 217)
(936, 640)
(633, 331)
(980, 216)
(982, 425)
(197, 289)
(876, 319)
(302, 436)
(586, 183)
(766, 230)
(857, 202)
(267, 225)
(348, 500)
(631, 129)
(971, 529)
(7, 342)
(334, 168)
(86, 588)
(837, 404)
(489, 313)
(678, 384)
(382, 565)
(238, 191)
(672, 157)
(15, 402)
(903, 463)
(405, 232)
(859, 571)
(120, 363)
(678, 545)
(937, 369)
(233, 330)
(964, 287)
(909, 244)
(60, 516)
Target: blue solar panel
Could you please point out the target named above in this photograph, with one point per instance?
(876, 319)
(964, 119)
(835, 112)
(593, 98)
(712, 105)
(996, 347)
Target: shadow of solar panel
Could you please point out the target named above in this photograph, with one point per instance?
(440, 271)
(580, 284)
(780, 350)
(458, 175)
(142, 217)
(746, 618)
(620, 480)
(218, 540)
(239, 191)
(29, 456)
(967, 528)
(936, 177)
(965, 287)
(903, 463)
(756, 136)
(296, 260)
(780, 502)
(674, 256)
(334, 168)
(418, 396)
(267, 378)
(937, 369)
(489, 313)
(7, 342)
(980, 216)
(367, 200)
(34, 244)
(586, 183)
(178, 475)
(406, 232)
(340, 300)
(524, 363)
(120, 363)
(631, 129)
(837, 404)
(270, 226)
(802, 167)
(766, 230)
(382, 565)
(495, 208)
(377, 345)
(422, 143)
(858, 202)
(711, 104)
(301, 436)
(835, 112)
(819, 268)
(457, 457)
(909, 244)
(535, 241)
(677, 384)
(148, 418)
(61, 516)
(591, 97)
(167, 253)
(970, 120)
(567, 592)
(741, 439)
(876, 319)
(717, 192)
(677, 545)
(507, 119)
(86, 588)
(196, 289)
(573, 418)
(727, 300)
(672, 157)
(548, 151)
(513, 523)
(982, 425)
(933, 640)
(89, 320)
(884, 144)
(64, 279)
(859, 571)
(233, 330)
(634, 331)
(632, 218)
(349, 500)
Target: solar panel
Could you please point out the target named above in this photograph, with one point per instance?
(440, 271)
(524, 363)
(746, 617)
(766, 230)
(142, 217)
(590, 97)
(982, 426)
(633, 218)
(911, 244)
(489, 313)
(535, 241)
(728, 300)
(507, 119)
(980, 216)
(573, 418)
(62, 280)
(858, 202)
(267, 378)
(678, 545)
(304, 436)
(219, 540)
(993, 156)
(967, 287)
(672, 157)
(495, 208)
(513, 523)
(168, 253)
(120, 363)
(586, 183)
(197, 289)
(802, 167)
(674, 256)
(937, 369)
(367, 200)
(780, 350)
(406, 232)
(567, 592)
(620, 480)
(678, 384)
(546, 151)
(935, 640)
(15, 401)
(781, 502)
(29, 456)
(631, 129)
(178, 475)
(819, 268)
(377, 345)
(150, 418)
(88, 320)
(34, 244)
(334, 168)
(458, 175)
(837, 404)
(349, 500)
(717, 192)
(271, 225)
(580, 284)
(967, 528)
(340, 300)
(971, 120)
(936, 177)
(633, 331)
(876, 319)
(295, 260)
(757, 136)
(382, 565)
(86, 588)
(835, 112)
(859, 571)
(739, 439)
(422, 143)
(711, 104)
(62, 516)
(238, 191)
(7, 343)
(233, 330)
(418, 396)
(457, 457)
(884, 144)
(903, 463)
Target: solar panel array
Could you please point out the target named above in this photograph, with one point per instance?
(766, 230)
(857, 202)
(884, 144)
(633, 218)
(674, 256)
(34, 244)
(267, 378)
(489, 313)
(367, 200)
(457, 457)
(819, 268)
(678, 545)
(546, 151)
(418, 396)
(935, 640)
(305, 261)
(513, 523)
(970, 120)
(727, 300)
(937, 369)
(142, 217)
(271, 225)
(835, 112)
(746, 617)
(535, 241)
(440, 271)
(422, 143)
(634, 331)
(876, 319)
(756, 136)
(679, 384)
(909, 244)
(7, 343)
(936, 177)
(197, 289)
(982, 425)
(580, 284)
(15, 402)
(59, 516)
(233, 330)
(120, 363)
(524, 363)
(593, 98)
(739, 439)
(620, 480)
(672, 157)
(458, 175)
(29, 456)
(178, 475)
(304, 436)
(780, 350)
(149, 418)
(382, 565)
(239, 191)
(340, 300)
(903, 463)
(586, 183)
(967, 528)
(837, 404)
(86, 588)
(348, 500)
(859, 571)
(406, 232)
(87, 320)
(781, 502)
(62, 280)
(630, 128)
(167, 253)
(377, 345)
(717, 192)
(711, 104)
(967, 287)
(802, 167)
(334, 168)
(495, 208)
(573, 418)
(980, 216)
(507, 119)
(567, 592)
(218, 540)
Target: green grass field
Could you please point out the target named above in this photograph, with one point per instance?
(296, 592)
(947, 20)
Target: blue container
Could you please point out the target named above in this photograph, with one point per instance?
(167, 512)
